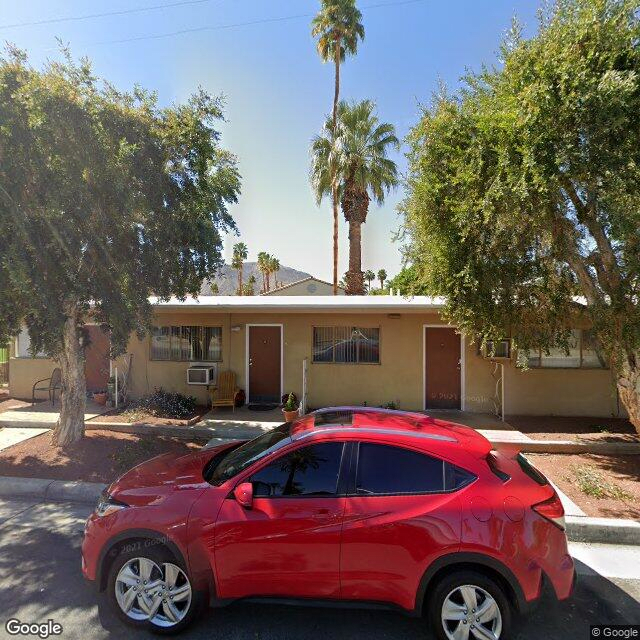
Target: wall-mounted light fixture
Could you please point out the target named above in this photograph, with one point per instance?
(394, 316)
(236, 328)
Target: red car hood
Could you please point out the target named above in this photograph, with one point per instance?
(154, 479)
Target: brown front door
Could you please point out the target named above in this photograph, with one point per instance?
(96, 368)
(264, 364)
(442, 368)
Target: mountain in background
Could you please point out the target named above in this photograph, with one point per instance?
(227, 278)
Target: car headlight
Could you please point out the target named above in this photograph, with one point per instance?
(107, 505)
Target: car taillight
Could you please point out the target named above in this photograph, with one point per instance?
(551, 510)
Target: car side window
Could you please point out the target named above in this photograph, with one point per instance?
(388, 470)
(308, 471)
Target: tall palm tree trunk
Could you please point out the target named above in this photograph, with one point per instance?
(355, 277)
(355, 206)
(334, 187)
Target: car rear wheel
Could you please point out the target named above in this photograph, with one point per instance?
(149, 587)
(468, 605)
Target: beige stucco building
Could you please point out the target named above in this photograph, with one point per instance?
(350, 350)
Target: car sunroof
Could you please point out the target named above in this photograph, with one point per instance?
(334, 418)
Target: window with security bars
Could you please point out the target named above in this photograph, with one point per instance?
(354, 345)
(186, 343)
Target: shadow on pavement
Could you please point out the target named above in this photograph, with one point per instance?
(40, 578)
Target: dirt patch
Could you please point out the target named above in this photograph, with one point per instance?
(579, 429)
(101, 456)
(602, 486)
(139, 416)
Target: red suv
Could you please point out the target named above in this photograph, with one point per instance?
(344, 504)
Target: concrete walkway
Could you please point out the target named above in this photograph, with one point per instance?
(243, 423)
(10, 436)
(42, 415)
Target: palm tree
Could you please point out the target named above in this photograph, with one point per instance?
(365, 172)
(240, 253)
(249, 287)
(274, 267)
(263, 266)
(382, 276)
(338, 28)
(369, 276)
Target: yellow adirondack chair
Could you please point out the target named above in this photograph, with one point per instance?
(224, 393)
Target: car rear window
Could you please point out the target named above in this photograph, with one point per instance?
(456, 478)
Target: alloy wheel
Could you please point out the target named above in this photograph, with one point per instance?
(471, 612)
(160, 594)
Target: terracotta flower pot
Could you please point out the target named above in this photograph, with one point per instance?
(100, 398)
(290, 415)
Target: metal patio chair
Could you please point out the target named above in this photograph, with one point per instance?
(54, 383)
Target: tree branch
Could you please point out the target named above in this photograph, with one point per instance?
(564, 235)
(610, 274)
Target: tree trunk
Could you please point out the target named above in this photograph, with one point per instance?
(629, 387)
(355, 275)
(355, 206)
(70, 425)
(334, 188)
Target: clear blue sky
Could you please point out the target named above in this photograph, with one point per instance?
(277, 91)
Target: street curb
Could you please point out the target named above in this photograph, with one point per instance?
(50, 490)
(603, 530)
(569, 446)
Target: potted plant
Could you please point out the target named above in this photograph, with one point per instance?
(100, 397)
(290, 408)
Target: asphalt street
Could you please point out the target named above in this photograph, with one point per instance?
(40, 579)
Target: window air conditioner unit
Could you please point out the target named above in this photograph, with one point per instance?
(496, 349)
(202, 374)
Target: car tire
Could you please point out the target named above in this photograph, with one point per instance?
(451, 604)
(162, 569)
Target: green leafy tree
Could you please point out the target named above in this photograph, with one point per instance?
(106, 199)
(357, 152)
(407, 282)
(369, 276)
(523, 203)
(240, 253)
(382, 276)
(215, 290)
(338, 29)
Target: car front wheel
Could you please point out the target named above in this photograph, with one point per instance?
(149, 588)
(468, 605)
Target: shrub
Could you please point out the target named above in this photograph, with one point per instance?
(163, 404)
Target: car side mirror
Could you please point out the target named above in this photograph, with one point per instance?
(243, 494)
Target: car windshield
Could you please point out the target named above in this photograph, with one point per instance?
(239, 459)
